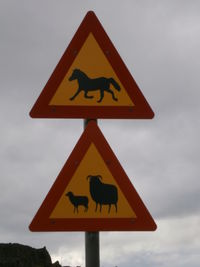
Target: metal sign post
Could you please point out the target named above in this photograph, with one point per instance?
(92, 156)
(92, 255)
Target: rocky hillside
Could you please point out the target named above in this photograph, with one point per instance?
(16, 255)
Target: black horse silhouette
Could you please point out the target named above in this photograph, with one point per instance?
(86, 84)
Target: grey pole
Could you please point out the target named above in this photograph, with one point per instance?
(92, 258)
(92, 255)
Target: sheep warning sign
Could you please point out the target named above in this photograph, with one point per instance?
(91, 80)
(92, 192)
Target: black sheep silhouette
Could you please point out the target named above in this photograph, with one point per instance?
(77, 201)
(87, 84)
(102, 194)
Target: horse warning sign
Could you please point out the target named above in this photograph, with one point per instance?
(92, 192)
(91, 81)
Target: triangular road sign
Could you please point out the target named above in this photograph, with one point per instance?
(91, 81)
(92, 192)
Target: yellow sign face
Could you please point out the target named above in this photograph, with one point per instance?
(77, 200)
(91, 81)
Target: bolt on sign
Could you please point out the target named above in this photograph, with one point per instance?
(92, 192)
(91, 81)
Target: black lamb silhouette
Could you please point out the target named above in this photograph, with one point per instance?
(102, 194)
(77, 201)
(86, 84)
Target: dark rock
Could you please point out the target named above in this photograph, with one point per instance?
(56, 264)
(16, 255)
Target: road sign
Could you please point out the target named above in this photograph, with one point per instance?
(92, 192)
(91, 81)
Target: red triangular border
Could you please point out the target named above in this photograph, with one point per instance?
(91, 24)
(42, 222)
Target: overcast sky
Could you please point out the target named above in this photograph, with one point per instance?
(159, 42)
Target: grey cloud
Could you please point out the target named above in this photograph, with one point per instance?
(159, 42)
